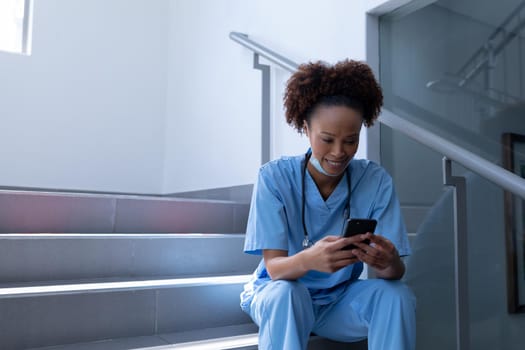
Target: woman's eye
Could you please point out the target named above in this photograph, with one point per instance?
(350, 142)
(327, 140)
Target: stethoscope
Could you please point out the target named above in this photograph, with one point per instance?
(306, 241)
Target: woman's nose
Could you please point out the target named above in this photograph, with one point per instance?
(338, 150)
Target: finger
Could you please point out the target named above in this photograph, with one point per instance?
(344, 263)
(371, 257)
(381, 241)
(347, 261)
(343, 242)
(335, 264)
(367, 248)
(386, 246)
(330, 238)
(342, 254)
(362, 256)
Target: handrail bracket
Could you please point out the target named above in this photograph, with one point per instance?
(265, 108)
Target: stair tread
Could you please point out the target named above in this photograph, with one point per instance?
(52, 257)
(242, 336)
(160, 341)
(111, 344)
(114, 284)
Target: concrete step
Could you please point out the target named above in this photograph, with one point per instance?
(241, 337)
(52, 257)
(84, 312)
(59, 212)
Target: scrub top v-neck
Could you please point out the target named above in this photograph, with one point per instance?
(316, 207)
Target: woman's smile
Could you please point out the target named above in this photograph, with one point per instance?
(336, 166)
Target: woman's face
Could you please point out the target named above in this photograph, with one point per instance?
(334, 136)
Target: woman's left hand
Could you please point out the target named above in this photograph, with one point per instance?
(381, 255)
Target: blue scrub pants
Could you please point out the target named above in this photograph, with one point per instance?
(382, 311)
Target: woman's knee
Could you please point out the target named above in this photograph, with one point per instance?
(396, 290)
(278, 292)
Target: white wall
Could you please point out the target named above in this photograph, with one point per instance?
(86, 110)
(213, 113)
(152, 96)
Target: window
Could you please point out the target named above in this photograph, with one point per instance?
(15, 26)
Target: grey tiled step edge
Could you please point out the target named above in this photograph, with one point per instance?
(50, 257)
(21, 290)
(242, 336)
(85, 314)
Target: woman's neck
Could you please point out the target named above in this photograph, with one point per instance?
(325, 184)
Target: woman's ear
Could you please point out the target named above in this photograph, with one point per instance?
(305, 127)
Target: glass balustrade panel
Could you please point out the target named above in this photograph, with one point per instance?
(457, 68)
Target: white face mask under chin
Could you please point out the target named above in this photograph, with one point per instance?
(317, 165)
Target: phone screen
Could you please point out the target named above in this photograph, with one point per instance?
(358, 226)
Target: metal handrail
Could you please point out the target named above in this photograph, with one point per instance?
(482, 51)
(265, 52)
(492, 172)
(496, 174)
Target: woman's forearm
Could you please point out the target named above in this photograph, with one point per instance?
(282, 267)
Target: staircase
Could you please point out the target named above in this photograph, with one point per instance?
(124, 272)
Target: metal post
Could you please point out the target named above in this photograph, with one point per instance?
(27, 27)
(490, 66)
(460, 254)
(265, 108)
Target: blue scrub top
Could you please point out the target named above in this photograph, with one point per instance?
(275, 220)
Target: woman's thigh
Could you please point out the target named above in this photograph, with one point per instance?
(349, 318)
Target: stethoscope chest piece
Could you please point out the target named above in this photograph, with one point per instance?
(307, 243)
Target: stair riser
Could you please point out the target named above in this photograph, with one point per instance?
(67, 319)
(26, 212)
(51, 258)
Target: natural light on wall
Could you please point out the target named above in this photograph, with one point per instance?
(15, 26)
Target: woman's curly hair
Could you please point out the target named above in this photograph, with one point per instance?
(347, 83)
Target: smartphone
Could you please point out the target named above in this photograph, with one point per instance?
(357, 227)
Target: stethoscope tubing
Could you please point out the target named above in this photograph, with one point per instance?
(307, 242)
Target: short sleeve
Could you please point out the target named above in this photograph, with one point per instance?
(387, 212)
(267, 224)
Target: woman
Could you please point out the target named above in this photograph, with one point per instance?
(306, 282)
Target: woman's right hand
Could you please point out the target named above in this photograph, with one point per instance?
(327, 255)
